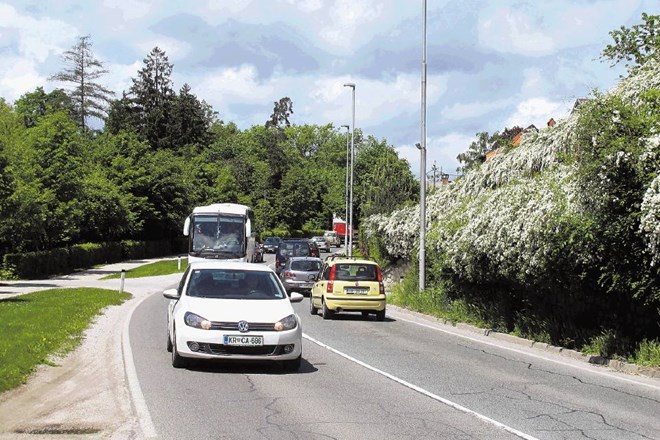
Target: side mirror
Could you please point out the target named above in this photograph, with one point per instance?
(186, 227)
(296, 297)
(171, 294)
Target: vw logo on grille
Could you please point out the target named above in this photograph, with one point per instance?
(243, 326)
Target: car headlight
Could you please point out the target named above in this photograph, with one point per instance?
(193, 320)
(287, 323)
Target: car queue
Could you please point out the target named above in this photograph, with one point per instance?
(224, 310)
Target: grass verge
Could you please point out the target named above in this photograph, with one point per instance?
(164, 267)
(433, 302)
(50, 323)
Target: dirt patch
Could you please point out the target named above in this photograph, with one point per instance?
(84, 396)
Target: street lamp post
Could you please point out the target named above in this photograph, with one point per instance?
(346, 193)
(350, 203)
(422, 165)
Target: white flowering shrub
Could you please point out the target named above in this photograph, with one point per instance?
(650, 221)
(572, 213)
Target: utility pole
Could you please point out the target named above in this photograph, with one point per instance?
(422, 174)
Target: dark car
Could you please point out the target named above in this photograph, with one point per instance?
(300, 273)
(270, 244)
(294, 248)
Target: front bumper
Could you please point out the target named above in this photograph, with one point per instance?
(210, 343)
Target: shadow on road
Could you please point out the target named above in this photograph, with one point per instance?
(242, 367)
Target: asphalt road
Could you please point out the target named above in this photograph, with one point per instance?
(402, 378)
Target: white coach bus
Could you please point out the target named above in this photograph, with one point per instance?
(222, 231)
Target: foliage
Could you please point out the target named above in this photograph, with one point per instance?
(40, 326)
(558, 236)
(82, 69)
(635, 45)
(33, 106)
(282, 110)
(162, 153)
(476, 153)
(647, 353)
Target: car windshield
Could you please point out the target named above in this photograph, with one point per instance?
(306, 265)
(234, 284)
(270, 240)
(356, 272)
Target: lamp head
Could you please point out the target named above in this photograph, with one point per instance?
(352, 85)
(418, 145)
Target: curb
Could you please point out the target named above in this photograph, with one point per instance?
(616, 365)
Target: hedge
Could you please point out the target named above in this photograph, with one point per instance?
(42, 264)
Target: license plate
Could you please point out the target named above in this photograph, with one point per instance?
(306, 285)
(244, 341)
(356, 290)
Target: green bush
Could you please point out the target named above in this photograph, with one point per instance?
(41, 264)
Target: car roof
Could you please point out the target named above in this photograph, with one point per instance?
(235, 265)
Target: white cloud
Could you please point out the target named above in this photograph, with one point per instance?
(172, 47)
(37, 38)
(17, 77)
(537, 111)
(459, 111)
(376, 100)
(346, 19)
(129, 9)
(441, 151)
(508, 30)
(542, 28)
(305, 5)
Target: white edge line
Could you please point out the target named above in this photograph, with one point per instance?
(607, 374)
(423, 391)
(144, 418)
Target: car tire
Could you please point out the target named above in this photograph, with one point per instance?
(169, 342)
(292, 365)
(312, 309)
(380, 316)
(327, 313)
(177, 360)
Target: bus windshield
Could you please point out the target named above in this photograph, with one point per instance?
(220, 236)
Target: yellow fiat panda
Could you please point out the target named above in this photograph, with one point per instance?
(349, 284)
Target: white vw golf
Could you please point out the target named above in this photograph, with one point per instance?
(224, 310)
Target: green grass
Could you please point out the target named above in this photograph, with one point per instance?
(432, 301)
(647, 354)
(39, 326)
(165, 267)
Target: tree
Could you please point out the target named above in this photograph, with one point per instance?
(192, 119)
(281, 112)
(81, 70)
(32, 106)
(384, 182)
(476, 153)
(634, 45)
(153, 97)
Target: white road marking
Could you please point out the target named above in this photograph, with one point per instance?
(144, 418)
(422, 391)
(591, 369)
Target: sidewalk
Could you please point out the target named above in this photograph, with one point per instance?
(85, 278)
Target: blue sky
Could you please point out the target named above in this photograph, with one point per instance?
(491, 64)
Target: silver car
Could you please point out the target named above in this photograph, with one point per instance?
(321, 243)
(300, 273)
